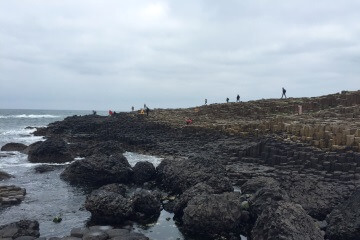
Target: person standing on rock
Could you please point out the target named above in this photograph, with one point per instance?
(132, 108)
(283, 93)
(238, 98)
(147, 111)
(227, 100)
(205, 101)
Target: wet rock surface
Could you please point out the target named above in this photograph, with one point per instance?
(5, 175)
(10, 195)
(14, 147)
(113, 204)
(23, 228)
(50, 151)
(99, 170)
(143, 172)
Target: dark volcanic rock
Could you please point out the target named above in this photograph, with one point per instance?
(178, 175)
(50, 151)
(145, 204)
(255, 184)
(143, 172)
(318, 198)
(108, 207)
(344, 220)
(20, 228)
(5, 175)
(99, 170)
(110, 204)
(182, 201)
(213, 214)
(14, 147)
(44, 168)
(10, 195)
(285, 220)
(265, 197)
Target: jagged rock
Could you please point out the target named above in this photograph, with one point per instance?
(49, 151)
(115, 188)
(264, 197)
(4, 175)
(213, 214)
(255, 184)
(177, 176)
(285, 220)
(44, 168)
(344, 220)
(20, 228)
(99, 170)
(145, 204)
(318, 198)
(143, 172)
(14, 147)
(10, 195)
(182, 201)
(108, 207)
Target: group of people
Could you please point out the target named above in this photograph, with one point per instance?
(143, 110)
(238, 97)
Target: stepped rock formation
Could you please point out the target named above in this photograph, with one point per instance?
(302, 165)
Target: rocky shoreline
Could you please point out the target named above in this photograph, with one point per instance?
(290, 189)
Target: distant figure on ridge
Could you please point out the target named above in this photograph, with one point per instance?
(227, 100)
(238, 98)
(205, 101)
(144, 106)
(132, 108)
(94, 112)
(283, 93)
(147, 111)
(110, 113)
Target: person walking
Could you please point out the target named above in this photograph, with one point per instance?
(238, 98)
(227, 100)
(283, 93)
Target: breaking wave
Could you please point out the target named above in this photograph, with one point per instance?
(30, 116)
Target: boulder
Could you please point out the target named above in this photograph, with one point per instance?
(108, 207)
(99, 170)
(10, 195)
(178, 175)
(182, 201)
(19, 229)
(14, 147)
(143, 172)
(5, 175)
(285, 220)
(264, 197)
(344, 220)
(145, 204)
(50, 151)
(213, 214)
(44, 168)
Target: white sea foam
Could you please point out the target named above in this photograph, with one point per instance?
(18, 132)
(30, 116)
(133, 158)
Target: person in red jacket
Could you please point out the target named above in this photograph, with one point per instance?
(111, 113)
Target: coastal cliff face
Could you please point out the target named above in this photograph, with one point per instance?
(311, 161)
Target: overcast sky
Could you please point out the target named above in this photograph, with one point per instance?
(110, 54)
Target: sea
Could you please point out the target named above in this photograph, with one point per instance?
(47, 196)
